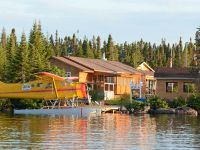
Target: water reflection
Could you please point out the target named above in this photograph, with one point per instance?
(108, 131)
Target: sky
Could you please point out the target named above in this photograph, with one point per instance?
(126, 20)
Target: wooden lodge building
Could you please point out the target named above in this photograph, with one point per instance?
(109, 79)
(174, 82)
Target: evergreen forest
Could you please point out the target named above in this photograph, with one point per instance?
(21, 58)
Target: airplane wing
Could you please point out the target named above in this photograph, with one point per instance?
(47, 75)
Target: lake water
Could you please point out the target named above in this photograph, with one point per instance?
(107, 131)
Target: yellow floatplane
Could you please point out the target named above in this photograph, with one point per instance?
(47, 86)
(58, 92)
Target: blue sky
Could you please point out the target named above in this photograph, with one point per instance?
(126, 20)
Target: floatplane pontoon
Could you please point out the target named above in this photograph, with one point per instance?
(52, 88)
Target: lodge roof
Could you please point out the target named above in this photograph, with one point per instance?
(98, 65)
(150, 70)
(178, 73)
(66, 61)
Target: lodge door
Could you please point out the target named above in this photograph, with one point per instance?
(108, 91)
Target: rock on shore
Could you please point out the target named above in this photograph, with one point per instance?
(186, 111)
(162, 111)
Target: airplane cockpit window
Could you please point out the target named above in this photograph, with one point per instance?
(68, 81)
(49, 85)
(39, 85)
(26, 87)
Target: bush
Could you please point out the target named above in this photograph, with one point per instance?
(4, 104)
(113, 102)
(122, 101)
(27, 103)
(130, 105)
(96, 96)
(135, 105)
(125, 97)
(155, 103)
(177, 102)
(194, 102)
(125, 101)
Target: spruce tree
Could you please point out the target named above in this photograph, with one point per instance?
(136, 55)
(2, 63)
(22, 63)
(57, 45)
(190, 53)
(110, 48)
(112, 52)
(74, 45)
(38, 54)
(79, 51)
(185, 56)
(65, 46)
(48, 47)
(98, 47)
(3, 39)
(11, 52)
(87, 52)
(197, 43)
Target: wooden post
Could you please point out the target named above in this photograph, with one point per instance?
(140, 86)
(131, 95)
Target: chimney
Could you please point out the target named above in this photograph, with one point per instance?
(104, 56)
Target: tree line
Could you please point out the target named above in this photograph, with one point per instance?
(20, 59)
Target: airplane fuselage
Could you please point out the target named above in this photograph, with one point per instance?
(43, 89)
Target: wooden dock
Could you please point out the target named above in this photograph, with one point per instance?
(110, 109)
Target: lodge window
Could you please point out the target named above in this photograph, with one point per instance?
(172, 87)
(94, 78)
(188, 87)
(106, 87)
(149, 86)
(100, 78)
(109, 79)
(68, 74)
(109, 87)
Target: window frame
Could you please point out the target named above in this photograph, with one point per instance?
(68, 74)
(174, 87)
(188, 90)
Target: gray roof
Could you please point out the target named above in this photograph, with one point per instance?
(175, 72)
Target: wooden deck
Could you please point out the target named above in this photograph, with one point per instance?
(112, 108)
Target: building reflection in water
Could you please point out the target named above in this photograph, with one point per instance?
(108, 131)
